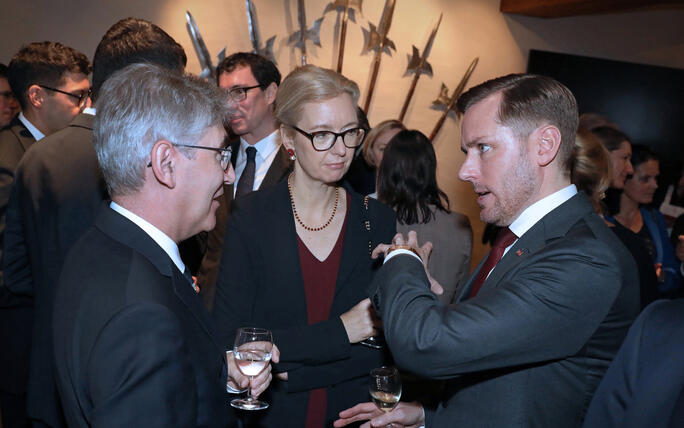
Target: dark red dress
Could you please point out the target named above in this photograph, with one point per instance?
(319, 279)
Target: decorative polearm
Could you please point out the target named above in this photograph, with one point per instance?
(265, 51)
(418, 64)
(208, 71)
(346, 8)
(450, 103)
(300, 36)
(377, 39)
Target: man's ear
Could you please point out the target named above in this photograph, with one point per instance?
(548, 143)
(36, 96)
(270, 92)
(163, 159)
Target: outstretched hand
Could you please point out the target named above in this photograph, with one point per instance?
(409, 415)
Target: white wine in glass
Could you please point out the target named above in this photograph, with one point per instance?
(252, 351)
(385, 388)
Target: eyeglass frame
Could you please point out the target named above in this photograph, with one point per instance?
(82, 99)
(226, 153)
(244, 89)
(311, 136)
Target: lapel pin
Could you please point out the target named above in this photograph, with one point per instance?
(521, 251)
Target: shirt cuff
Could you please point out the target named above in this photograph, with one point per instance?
(400, 251)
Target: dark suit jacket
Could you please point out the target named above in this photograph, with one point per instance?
(644, 385)
(531, 347)
(260, 284)
(134, 345)
(57, 193)
(206, 277)
(15, 310)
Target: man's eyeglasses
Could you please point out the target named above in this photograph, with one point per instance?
(324, 140)
(82, 97)
(240, 94)
(222, 153)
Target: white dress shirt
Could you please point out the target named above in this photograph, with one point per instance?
(267, 149)
(167, 244)
(32, 129)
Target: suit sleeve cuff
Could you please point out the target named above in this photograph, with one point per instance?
(400, 251)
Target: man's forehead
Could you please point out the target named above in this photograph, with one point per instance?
(481, 119)
(239, 76)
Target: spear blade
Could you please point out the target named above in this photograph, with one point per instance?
(419, 67)
(378, 39)
(200, 47)
(252, 25)
(454, 97)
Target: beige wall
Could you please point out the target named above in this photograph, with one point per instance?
(469, 28)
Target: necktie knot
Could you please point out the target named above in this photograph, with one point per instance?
(504, 238)
(251, 153)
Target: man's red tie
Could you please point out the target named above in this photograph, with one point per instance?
(503, 239)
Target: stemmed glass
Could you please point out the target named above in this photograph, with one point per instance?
(385, 388)
(252, 350)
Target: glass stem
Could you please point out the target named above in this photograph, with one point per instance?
(249, 389)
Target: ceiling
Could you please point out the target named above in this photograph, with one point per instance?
(564, 8)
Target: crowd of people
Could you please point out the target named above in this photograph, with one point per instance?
(146, 215)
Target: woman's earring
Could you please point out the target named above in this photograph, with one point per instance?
(291, 154)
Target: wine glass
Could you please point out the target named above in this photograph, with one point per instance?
(385, 388)
(252, 350)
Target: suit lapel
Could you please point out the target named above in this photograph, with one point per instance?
(280, 167)
(193, 303)
(23, 135)
(553, 225)
(355, 241)
(128, 233)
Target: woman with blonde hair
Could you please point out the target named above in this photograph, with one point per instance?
(296, 258)
(592, 173)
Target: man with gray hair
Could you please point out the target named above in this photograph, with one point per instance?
(134, 344)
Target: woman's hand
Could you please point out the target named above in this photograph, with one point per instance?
(360, 322)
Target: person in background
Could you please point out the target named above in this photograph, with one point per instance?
(644, 385)
(407, 182)
(259, 158)
(296, 258)
(50, 81)
(648, 223)
(375, 143)
(8, 104)
(592, 173)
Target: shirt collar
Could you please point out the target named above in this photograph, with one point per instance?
(89, 110)
(166, 243)
(32, 129)
(265, 146)
(535, 212)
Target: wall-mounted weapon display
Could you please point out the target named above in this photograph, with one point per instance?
(376, 39)
(208, 69)
(346, 9)
(254, 36)
(449, 103)
(419, 65)
(299, 37)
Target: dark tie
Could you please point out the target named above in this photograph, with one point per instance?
(246, 182)
(503, 239)
(186, 274)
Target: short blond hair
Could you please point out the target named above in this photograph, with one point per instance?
(373, 135)
(309, 84)
(591, 169)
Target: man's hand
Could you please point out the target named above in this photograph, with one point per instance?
(412, 242)
(260, 382)
(409, 415)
